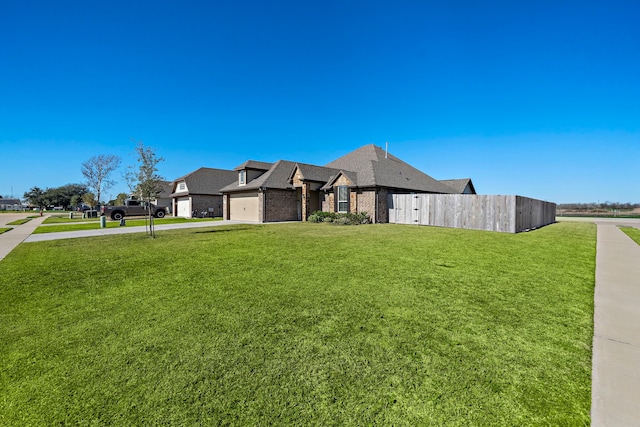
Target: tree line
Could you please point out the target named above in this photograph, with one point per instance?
(606, 206)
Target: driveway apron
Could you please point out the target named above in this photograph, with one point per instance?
(19, 233)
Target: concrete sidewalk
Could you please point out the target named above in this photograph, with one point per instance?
(615, 390)
(19, 233)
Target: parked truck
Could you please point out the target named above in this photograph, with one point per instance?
(133, 207)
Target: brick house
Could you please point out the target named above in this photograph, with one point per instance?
(199, 193)
(357, 182)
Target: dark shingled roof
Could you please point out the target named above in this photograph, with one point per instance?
(459, 185)
(368, 166)
(166, 188)
(205, 181)
(373, 168)
(276, 177)
(315, 173)
(252, 164)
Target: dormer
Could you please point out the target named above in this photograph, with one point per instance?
(181, 187)
(250, 170)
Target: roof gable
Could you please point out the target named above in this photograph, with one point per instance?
(313, 173)
(276, 177)
(207, 181)
(352, 177)
(461, 186)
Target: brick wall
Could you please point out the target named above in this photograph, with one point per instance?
(327, 203)
(382, 216)
(225, 207)
(203, 203)
(297, 178)
(367, 202)
(281, 205)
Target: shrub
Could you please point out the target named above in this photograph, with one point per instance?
(320, 216)
(314, 218)
(340, 218)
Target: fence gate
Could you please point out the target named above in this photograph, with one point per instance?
(416, 202)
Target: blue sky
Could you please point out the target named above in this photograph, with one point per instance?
(540, 99)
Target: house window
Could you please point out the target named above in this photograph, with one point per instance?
(242, 177)
(182, 186)
(343, 199)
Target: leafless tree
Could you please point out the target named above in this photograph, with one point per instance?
(97, 170)
(145, 178)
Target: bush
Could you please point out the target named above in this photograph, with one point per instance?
(341, 218)
(320, 216)
(314, 218)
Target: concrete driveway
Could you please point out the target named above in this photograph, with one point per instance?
(6, 218)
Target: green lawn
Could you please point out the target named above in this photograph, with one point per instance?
(4, 229)
(300, 324)
(60, 219)
(19, 221)
(71, 226)
(632, 232)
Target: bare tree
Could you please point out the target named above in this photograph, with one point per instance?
(97, 170)
(146, 179)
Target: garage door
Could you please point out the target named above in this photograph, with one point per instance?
(243, 206)
(184, 207)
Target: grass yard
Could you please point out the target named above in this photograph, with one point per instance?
(59, 227)
(300, 324)
(5, 229)
(64, 219)
(632, 232)
(19, 221)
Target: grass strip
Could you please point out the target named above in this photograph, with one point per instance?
(632, 232)
(5, 229)
(63, 219)
(19, 221)
(114, 224)
(300, 324)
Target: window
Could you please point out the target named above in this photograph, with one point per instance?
(242, 177)
(182, 186)
(343, 199)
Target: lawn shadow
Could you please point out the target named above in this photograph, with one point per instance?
(219, 230)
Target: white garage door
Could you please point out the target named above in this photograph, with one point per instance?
(184, 207)
(243, 206)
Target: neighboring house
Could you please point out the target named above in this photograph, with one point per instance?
(461, 186)
(11, 205)
(164, 199)
(357, 182)
(198, 193)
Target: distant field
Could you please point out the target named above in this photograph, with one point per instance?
(300, 324)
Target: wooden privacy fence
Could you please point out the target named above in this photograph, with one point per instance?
(508, 214)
